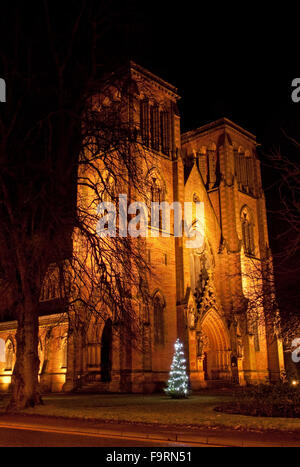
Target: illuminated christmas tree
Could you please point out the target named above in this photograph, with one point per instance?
(178, 379)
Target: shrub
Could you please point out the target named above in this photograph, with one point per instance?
(266, 400)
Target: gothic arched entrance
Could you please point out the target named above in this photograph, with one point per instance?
(214, 347)
(106, 352)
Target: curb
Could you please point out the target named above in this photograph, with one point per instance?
(169, 437)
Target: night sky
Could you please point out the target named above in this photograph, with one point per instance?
(225, 62)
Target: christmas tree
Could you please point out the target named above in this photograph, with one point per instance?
(178, 379)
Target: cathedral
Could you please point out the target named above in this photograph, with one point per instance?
(201, 295)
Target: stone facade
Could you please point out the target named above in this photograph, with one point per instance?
(199, 294)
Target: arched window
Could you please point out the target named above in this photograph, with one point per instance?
(247, 231)
(144, 121)
(159, 310)
(50, 288)
(94, 344)
(203, 165)
(157, 192)
(157, 195)
(165, 132)
(154, 127)
(64, 352)
(244, 169)
(107, 191)
(9, 355)
(212, 165)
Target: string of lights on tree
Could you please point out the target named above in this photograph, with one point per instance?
(177, 386)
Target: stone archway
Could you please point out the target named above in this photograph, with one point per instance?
(213, 347)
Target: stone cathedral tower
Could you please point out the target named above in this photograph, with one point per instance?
(203, 295)
(233, 337)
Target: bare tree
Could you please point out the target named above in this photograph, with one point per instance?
(285, 164)
(257, 303)
(52, 139)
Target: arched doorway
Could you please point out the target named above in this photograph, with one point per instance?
(106, 352)
(215, 347)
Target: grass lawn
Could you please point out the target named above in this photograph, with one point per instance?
(196, 411)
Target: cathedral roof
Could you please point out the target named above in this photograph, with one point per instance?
(222, 123)
(132, 69)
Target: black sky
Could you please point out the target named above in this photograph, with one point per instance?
(226, 61)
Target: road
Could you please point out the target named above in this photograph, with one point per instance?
(12, 437)
(18, 430)
(33, 436)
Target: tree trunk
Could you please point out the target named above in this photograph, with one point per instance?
(25, 385)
